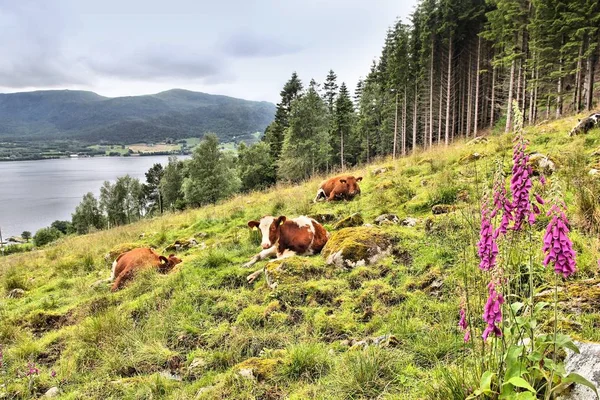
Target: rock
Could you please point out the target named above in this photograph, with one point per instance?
(322, 218)
(586, 364)
(471, 157)
(409, 221)
(593, 172)
(577, 296)
(382, 170)
(142, 235)
(100, 283)
(52, 392)
(385, 219)
(477, 140)
(196, 368)
(16, 293)
(352, 247)
(255, 368)
(169, 375)
(442, 209)
(541, 164)
(200, 235)
(182, 244)
(379, 341)
(353, 220)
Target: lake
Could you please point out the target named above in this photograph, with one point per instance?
(33, 194)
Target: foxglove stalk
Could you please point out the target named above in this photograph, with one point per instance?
(463, 324)
(487, 247)
(520, 185)
(557, 245)
(492, 313)
(502, 206)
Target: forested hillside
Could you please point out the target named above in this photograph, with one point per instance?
(89, 118)
(448, 72)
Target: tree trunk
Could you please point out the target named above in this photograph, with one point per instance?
(414, 134)
(341, 149)
(448, 88)
(589, 81)
(559, 99)
(578, 85)
(510, 98)
(431, 98)
(441, 101)
(404, 124)
(476, 118)
(395, 127)
(548, 108)
(461, 104)
(519, 76)
(469, 97)
(493, 101)
(531, 93)
(535, 94)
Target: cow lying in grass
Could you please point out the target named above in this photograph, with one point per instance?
(283, 238)
(585, 124)
(341, 187)
(127, 264)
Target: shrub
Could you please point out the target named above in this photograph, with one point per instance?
(45, 236)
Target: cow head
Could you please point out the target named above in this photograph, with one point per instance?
(352, 184)
(168, 264)
(269, 229)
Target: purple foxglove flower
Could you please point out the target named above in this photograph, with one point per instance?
(557, 245)
(492, 313)
(520, 185)
(487, 247)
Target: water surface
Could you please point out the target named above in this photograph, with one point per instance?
(33, 194)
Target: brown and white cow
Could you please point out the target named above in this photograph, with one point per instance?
(283, 238)
(341, 187)
(128, 263)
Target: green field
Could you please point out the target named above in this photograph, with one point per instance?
(191, 334)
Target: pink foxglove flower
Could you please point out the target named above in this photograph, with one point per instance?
(464, 325)
(492, 313)
(557, 245)
(502, 206)
(520, 185)
(487, 247)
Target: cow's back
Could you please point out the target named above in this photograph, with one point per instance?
(132, 261)
(320, 237)
(329, 184)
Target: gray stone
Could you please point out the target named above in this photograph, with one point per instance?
(586, 364)
(170, 376)
(353, 220)
(52, 392)
(387, 219)
(16, 293)
(247, 373)
(409, 222)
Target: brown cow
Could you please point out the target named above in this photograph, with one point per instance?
(341, 187)
(127, 264)
(283, 238)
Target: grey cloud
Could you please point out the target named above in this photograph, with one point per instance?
(160, 64)
(249, 45)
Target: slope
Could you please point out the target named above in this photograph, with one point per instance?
(90, 118)
(191, 333)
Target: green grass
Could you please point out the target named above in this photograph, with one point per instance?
(203, 322)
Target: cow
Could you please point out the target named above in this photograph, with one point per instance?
(128, 263)
(283, 238)
(585, 124)
(341, 187)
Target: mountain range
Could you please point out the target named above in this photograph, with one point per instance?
(90, 118)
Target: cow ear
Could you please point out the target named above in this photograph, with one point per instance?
(163, 259)
(281, 220)
(359, 179)
(253, 224)
(171, 255)
(343, 180)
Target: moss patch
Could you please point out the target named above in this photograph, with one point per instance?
(352, 247)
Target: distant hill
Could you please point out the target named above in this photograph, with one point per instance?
(91, 118)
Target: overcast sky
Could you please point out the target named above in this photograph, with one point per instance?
(241, 48)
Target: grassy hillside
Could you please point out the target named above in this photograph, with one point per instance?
(186, 335)
(90, 118)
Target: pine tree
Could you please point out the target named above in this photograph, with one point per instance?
(306, 144)
(344, 120)
(331, 90)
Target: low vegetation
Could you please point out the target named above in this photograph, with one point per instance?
(203, 332)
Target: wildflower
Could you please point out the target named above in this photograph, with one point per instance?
(488, 249)
(501, 205)
(557, 245)
(464, 325)
(32, 370)
(53, 374)
(492, 313)
(520, 185)
(542, 179)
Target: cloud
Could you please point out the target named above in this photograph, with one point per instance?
(32, 46)
(250, 45)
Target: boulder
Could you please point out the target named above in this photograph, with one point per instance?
(353, 220)
(16, 293)
(352, 247)
(256, 368)
(379, 341)
(541, 164)
(382, 170)
(387, 219)
(322, 218)
(593, 172)
(196, 368)
(477, 140)
(442, 209)
(52, 392)
(182, 244)
(586, 364)
(409, 221)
